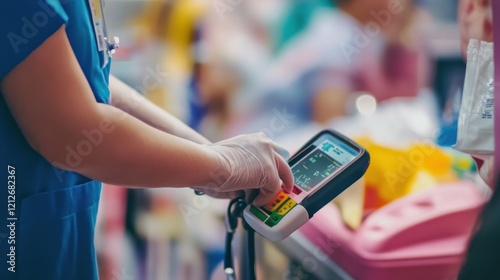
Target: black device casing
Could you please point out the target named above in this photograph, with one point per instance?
(343, 180)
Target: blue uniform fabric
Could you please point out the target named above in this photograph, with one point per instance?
(47, 215)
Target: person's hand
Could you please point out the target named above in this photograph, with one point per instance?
(246, 163)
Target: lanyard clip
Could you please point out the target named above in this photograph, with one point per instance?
(112, 44)
(198, 192)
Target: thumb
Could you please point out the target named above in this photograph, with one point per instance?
(265, 195)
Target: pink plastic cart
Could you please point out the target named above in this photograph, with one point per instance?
(422, 236)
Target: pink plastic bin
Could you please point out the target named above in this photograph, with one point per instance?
(421, 236)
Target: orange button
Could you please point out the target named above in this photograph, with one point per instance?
(277, 201)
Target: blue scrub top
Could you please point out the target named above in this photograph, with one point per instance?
(47, 215)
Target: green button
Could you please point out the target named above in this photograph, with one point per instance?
(274, 219)
(261, 216)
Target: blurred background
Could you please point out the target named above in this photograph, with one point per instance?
(388, 73)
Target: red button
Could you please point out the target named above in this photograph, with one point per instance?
(296, 190)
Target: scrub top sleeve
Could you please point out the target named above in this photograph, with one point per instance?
(24, 26)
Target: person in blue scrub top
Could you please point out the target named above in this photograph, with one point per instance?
(66, 125)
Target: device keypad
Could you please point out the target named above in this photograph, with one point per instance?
(275, 210)
(286, 207)
(276, 202)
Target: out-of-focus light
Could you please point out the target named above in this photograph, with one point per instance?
(366, 104)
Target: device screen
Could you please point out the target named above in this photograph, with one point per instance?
(328, 155)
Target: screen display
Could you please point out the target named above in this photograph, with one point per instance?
(322, 162)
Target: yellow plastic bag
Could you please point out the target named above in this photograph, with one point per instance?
(394, 173)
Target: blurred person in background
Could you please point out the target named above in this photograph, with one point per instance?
(213, 83)
(297, 17)
(365, 46)
(167, 27)
(230, 48)
(482, 259)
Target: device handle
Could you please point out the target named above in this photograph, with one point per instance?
(235, 212)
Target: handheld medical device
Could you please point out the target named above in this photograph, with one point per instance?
(322, 169)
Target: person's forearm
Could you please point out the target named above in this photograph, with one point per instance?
(58, 115)
(114, 147)
(127, 99)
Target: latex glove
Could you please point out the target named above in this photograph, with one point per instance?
(249, 162)
(215, 193)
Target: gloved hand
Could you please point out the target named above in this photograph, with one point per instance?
(249, 162)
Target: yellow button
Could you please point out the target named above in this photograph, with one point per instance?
(287, 207)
